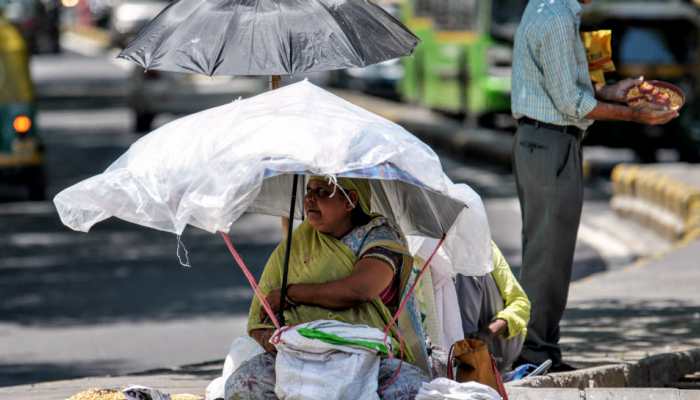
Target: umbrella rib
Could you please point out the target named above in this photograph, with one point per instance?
(167, 38)
(219, 61)
(356, 52)
(251, 50)
(290, 62)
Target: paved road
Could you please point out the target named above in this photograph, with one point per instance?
(116, 300)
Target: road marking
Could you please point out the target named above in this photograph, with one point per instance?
(612, 250)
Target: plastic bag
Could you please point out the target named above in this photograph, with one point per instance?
(446, 389)
(599, 54)
(315, 369)
(242, 349)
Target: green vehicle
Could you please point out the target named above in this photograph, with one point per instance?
(21, 151)
(463, 63)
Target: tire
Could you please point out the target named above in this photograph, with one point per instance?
(646, 154)
(143, 122)
(689, 153)
(36, 188)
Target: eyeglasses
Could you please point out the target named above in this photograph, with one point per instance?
(318, 193)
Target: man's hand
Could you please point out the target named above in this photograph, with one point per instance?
(497, 327)
(654, 117)
(262, 336)
(618, 92)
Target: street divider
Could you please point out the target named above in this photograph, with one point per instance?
(97, 36)
(663, 197)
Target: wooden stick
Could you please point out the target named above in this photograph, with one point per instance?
(275, 81)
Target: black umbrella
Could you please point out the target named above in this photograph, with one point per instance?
(268, 37)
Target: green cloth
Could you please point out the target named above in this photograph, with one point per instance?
(517, 306)
(330, 338)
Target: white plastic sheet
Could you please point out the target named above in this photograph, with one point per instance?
(208, 168)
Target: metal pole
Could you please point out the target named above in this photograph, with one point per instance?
(283, 294)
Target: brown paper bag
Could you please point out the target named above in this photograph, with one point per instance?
(475, 363)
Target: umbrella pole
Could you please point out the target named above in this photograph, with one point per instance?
(288, 250)
(275, 81)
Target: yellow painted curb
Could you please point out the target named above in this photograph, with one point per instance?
(664, 197)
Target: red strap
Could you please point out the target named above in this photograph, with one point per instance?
(412, 289)
(499, 379)
(251, 280)
(398, 312)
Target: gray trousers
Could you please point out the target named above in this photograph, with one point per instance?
(479, 301)
(548, 174)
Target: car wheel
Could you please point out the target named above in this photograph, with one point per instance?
(143, 122)
(36, 188)
(646, 154)
(689, 153)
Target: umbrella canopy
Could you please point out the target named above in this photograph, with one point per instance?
(208, 168)
(268, 37)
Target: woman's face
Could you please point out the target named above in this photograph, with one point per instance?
(330, 215)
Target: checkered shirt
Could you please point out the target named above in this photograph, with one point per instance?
(550, 81)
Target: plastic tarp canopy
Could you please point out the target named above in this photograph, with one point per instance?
(209, 168)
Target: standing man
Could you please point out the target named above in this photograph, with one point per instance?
(554, 102)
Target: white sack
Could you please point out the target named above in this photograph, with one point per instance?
(310, 369)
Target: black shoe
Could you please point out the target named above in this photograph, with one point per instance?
(562, 367)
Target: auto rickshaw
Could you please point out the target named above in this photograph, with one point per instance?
(656, 39)
(21, 150)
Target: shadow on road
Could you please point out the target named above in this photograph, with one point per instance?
(18, 373)
(605, 328)
(121, 272)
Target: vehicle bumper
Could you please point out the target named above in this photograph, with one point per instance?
(161, 97)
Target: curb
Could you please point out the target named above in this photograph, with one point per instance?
(660, 370)
(663, 197)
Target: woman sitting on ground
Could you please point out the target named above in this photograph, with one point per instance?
(346, 264)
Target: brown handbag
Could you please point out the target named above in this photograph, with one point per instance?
(475, 363)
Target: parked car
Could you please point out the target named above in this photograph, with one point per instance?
(21, 149)
(377, 79)
(127, 17)
(155, 92)
(37, 21)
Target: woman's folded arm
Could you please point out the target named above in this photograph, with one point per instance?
(369, 278)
